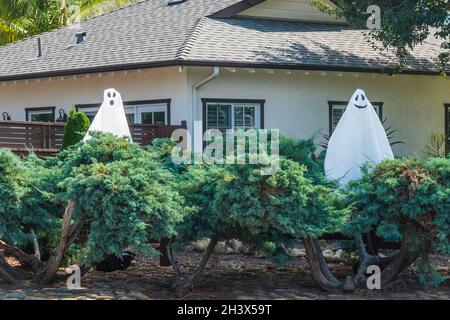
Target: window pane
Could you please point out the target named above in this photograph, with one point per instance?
(211, 121)
(250, 117)
(337, 113)
(160, 117)
(42, 117)
(147, 117)
(224, 117)
(238, 117)
(219, 117)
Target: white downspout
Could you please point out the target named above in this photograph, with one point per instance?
(197, 136)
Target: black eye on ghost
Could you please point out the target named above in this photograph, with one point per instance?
(113, 95)
(360, 103)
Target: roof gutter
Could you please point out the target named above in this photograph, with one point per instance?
(197, 127)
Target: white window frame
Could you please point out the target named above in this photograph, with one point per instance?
(136, 110)
(257, 107)
(153, 108)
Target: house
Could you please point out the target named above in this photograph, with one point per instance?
(230, 63)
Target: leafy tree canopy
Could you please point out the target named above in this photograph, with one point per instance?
(21, 19)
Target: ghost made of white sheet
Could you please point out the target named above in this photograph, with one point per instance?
(359, 138)
(110, 118)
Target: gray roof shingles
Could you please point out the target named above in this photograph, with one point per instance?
(286, 43)
(152, 32)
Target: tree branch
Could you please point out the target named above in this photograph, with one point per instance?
(37, 251)
(19, 254)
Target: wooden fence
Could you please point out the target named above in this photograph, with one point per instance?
(45, 139)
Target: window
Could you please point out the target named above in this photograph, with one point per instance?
(45, 114)
(89, 110)
(337, 109)
(447, 127)
(139, 112)
(151, 114)
(225, 114)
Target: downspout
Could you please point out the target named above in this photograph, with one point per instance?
(197, 138)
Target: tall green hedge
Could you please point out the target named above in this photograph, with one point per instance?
(77, 126)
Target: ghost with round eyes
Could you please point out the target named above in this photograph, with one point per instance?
(359, 138)
(110, 118)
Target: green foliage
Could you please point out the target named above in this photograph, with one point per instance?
(77, 126)
(23, 206)
(303, 152)
(406, 197)
(23, 19)
(435, 146)
(125, 194)
(265, 211)
(404, 24)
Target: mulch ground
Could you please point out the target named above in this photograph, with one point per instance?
(230, 276)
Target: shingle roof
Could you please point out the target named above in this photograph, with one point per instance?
(287, 43)
(149, 32)
(152, 33)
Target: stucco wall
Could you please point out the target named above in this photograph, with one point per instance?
(150, 84)
(297, 104)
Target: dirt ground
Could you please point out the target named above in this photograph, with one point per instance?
(231, 276)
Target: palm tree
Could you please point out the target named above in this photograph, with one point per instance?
(21, 19)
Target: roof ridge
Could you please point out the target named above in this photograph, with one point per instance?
(71, 25)
(189, 42)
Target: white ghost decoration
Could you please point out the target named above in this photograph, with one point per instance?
(359, 138)
(110, 118)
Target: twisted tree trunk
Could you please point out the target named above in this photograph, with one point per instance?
(69, 233)
(183, 286)
(392, 265)
(319, 268)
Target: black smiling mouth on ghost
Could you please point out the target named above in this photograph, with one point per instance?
(362, 98)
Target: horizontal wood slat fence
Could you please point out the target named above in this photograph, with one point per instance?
(45, 139)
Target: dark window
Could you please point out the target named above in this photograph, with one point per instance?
(44, 114)
(337, 108)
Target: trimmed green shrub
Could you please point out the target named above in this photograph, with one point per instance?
(406, 200)
(77, 126)
(108, 186)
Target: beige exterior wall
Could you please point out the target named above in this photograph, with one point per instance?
(149, 84)
(297, 104)
(299, 10)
